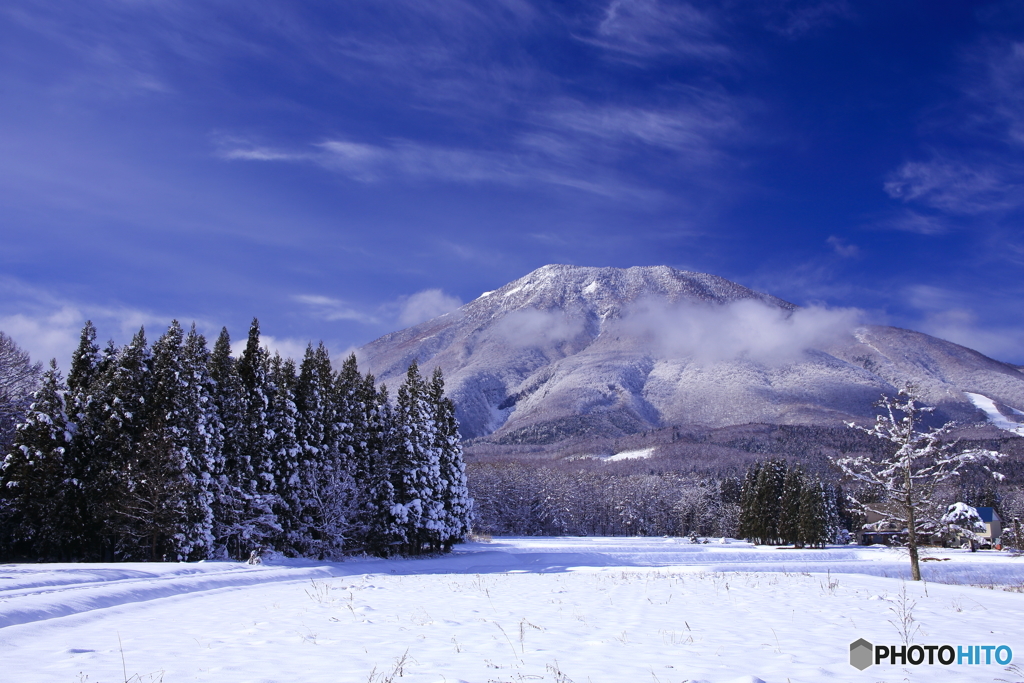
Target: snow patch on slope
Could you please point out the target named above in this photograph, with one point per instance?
(988, 406)
(640, 454)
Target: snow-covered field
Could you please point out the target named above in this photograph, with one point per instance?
(515, 609)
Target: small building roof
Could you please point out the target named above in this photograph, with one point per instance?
(988, 515)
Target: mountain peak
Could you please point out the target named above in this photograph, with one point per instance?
(567, 349)
(568, 287)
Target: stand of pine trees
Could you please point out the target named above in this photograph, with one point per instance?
(779, 504)
(174, 451)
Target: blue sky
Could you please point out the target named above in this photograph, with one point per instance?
(343, 169)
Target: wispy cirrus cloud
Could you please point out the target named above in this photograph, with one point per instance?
(956, 187)
(994, 81)
(650, 28)
(975, 167)
(526, 164)
(566, 143)
(795, 18)
(699, 121)
(331, 309)
(914, 221)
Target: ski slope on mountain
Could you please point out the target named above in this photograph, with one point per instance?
(514, 609)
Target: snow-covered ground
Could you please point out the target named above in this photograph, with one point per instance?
(514, 609)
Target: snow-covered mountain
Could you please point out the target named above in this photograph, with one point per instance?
(569, 350)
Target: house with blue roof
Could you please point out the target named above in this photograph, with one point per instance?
(993, 525)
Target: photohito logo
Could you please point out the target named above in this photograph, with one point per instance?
(863, 654)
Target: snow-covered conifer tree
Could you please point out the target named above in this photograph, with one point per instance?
(789, 508)
(37, 487)
(205, 440)
(325, 436)
(362, 424)
(749, 521)
(454, 493)
(118, 474)
(416, 475)
(813, 518)
(286, 456)
(232, 471)
(86, 455)
(766, 501)
(963, 524)
(386, 522)
(258, 525)
(168, 499)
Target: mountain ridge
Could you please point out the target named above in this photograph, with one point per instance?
(569, 350)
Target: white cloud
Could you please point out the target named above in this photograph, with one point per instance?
(533, 327)
(699, 122)
(948, 315)
(326, 308)
(287, 347)
(649, 28)
(49, 327)
(258, 154)
(959, 188)
(912, 221)
(406, 310)
(50, 335)
(425, 305)
(794, 22)
(999, 88)
(977, 178)
(741, 330)
(842, 247)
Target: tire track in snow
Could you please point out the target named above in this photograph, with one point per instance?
(31, 604)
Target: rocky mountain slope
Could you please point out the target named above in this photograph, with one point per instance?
(568, 350)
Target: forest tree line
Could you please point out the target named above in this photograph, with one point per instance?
(773, 503)
(175, 451)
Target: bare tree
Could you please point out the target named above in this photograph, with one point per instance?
(909, 476)
(19, 377)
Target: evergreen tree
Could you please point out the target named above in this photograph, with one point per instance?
(749, 523)
(118, 466)
(84, 406)
(350, 408)
(416, 475)
(232, 469)
(287, 458)
(386, 529)
(789, 508)
(205, 442)
(85, 361)
(181, 453)
(768, 500)
(819, 516)
(258, 487)
(365, 413)
(326, 438)
(168, 497)
(37, 487)
(813, 522)
(454, 493)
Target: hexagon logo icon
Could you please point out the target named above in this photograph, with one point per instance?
(861, 654)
